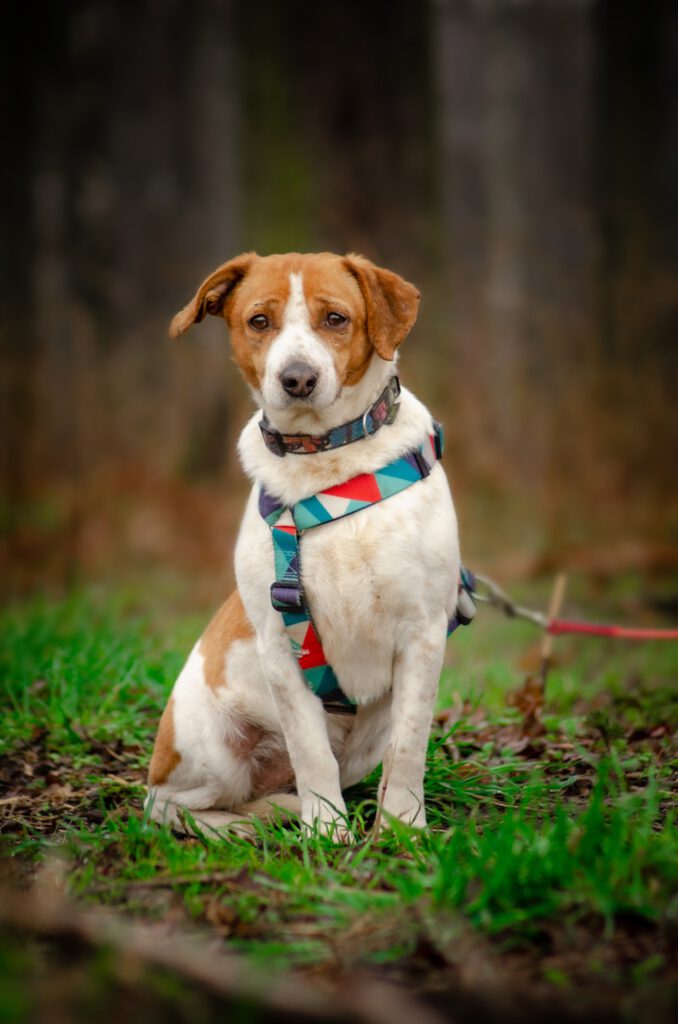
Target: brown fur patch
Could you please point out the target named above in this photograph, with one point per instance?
(329, 287)
(165, 755)
(391, 304)
(228, 625)
(249, 737)
(212, 293)
(273, 774)
(271, 768)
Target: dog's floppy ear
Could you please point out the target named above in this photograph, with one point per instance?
(212, 293)
(390, 301)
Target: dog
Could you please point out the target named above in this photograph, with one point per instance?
(316, 337)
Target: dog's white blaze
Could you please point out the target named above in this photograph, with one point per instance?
(297, 342)
(296, 310)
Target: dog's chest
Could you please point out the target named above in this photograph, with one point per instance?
(375, 575)
(371, 578)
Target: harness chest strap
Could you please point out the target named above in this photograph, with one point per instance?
(289, 523)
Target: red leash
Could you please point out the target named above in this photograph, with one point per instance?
(559, 626)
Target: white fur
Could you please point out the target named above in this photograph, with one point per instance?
(381, 585)
(296, 342)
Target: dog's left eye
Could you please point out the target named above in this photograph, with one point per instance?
(336, 319)
(259, 322)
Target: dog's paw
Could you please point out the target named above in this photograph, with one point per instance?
(404, 804)
(337, 831)
(327, 819)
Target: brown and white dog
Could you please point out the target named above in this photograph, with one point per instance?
(241, 727)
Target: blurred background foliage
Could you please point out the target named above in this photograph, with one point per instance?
(517, 159)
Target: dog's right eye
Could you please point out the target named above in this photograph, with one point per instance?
(259, 322)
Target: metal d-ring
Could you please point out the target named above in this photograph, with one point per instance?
(366, 432)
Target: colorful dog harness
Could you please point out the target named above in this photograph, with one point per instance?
(288, 525)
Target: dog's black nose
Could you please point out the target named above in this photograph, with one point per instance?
(299, 380)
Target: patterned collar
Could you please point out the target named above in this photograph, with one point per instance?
(384, 410)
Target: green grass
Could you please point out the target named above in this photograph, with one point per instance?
(568, 833)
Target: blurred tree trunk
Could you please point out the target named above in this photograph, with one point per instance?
(128, 183)
(515, 87)
(339, 129)
(637, 208)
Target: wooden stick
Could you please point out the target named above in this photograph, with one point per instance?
(557, 596)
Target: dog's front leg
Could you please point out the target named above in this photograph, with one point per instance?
(416, 673)
(303, 722)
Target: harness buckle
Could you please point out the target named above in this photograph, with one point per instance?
(438, 439)
(287, 596)
(333, 707)
(422, 464)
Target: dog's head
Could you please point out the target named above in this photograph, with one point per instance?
(303, 326)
